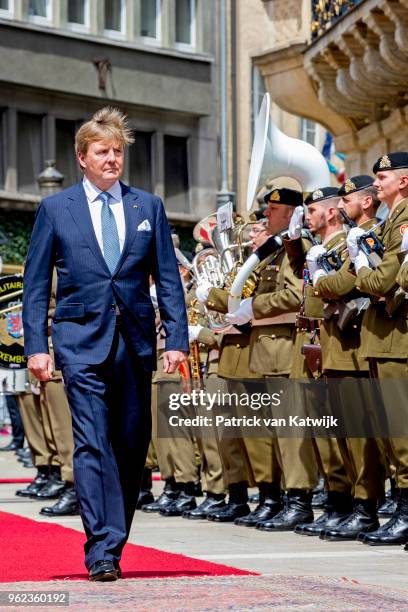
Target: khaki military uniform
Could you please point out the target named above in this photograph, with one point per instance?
(385, 324)
(326, 450)
(364, 458)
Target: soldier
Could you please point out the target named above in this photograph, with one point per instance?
(323, 220)
(385, 322)
(340, 339)
(273, 313)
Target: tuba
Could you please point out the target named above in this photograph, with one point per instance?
(276, 155)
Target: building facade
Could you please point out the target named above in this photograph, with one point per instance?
(61, 60)
(346, 68)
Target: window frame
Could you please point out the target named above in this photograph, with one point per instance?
(81, 27)
(193, 29)
(8, 13)
(121, 34)
(305, 128)
(43, 20)
(153, 40)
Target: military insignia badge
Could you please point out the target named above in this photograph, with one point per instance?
(317, 194)
(275, 196)
(370, 242)
(349, 186)
(385, 162)
(403, 228)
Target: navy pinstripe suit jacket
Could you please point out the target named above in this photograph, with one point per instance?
(84, 321)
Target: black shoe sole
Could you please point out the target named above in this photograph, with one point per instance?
(105, 577)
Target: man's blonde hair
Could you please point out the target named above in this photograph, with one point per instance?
(108, 123)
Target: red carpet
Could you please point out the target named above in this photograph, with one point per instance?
(14, 480)
(35, 551)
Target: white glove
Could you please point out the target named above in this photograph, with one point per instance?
(312, 257)
(243, 314)
(193, 332)
(202, 291)
(352, 245)
(404, 243)
(296, 223)
(361, 261)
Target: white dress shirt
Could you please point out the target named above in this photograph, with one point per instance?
(95, 207)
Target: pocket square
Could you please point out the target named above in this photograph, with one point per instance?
(144, 226)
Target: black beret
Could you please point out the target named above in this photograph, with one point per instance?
(288, 197)
(319, 195)
(355, 183)
(391, 161)
(259, 214)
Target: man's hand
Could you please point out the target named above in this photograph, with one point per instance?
(404, 243)
(243, 314)
(296, 223)
(202, 291)
(41, 366)
(352, 238)
(194, 332)
(172, 359)
(361, 261)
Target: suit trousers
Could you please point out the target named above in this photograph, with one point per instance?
(111, 418)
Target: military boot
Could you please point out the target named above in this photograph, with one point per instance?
(145, 494)
(212, 501)
(389, 507)
(395, 531)
(338, 507)
(236, 507)
(35, 485)
(270, 503)
(362, 520)
(169, 495)
(297, 510)
(185, 501)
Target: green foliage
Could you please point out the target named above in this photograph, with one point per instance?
(15, 227)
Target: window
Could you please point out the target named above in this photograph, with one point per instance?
(65, 151)
(176, 176)
(150, 18)
(78, 12)
(2, 150)
(6, 8)
(308, 131)
(140, 161)
(40, 10)
(258, 92)
(114, 15)
(185, 23)
(30, 158)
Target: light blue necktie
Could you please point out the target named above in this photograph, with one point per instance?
(110, 236)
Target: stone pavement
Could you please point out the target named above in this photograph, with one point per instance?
(296, 572)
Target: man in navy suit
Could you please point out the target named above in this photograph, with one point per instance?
(105, 239)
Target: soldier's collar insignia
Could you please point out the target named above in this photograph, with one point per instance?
(349, 186)
(317, 194)
(385, 162)
(275, 196)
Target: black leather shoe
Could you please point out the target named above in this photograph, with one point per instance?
(254, 498)
(145, 497)
(395, 531)
(297, 510)
(117, 567)
(11, 447)
(263, 512)
(319, 500)
(388, 508)
(201, 512)
(362, 520)
(103, 571)
(182, 504)
(53, 489)
(67, 505)
(39, 481)
(229, 512)
(197, 489)
(23, 453)
(338, 508)
(165, 500)
(28, 463)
